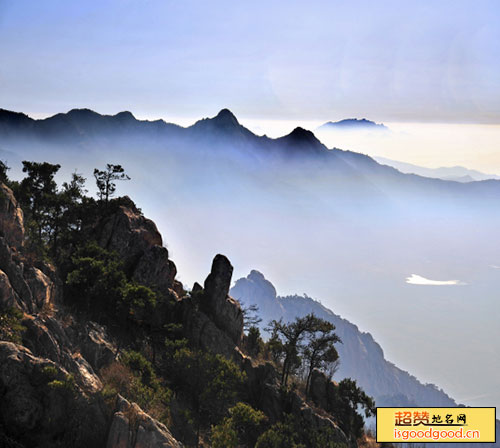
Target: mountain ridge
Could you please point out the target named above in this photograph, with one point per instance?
(361, 356)
(455, 173)
(223, 134)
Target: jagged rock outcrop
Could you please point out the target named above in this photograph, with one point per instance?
(16, 286)
(48, 338)
(26, 287)
(128, 233)
(157, 271)
(41, 286)
(137, 241)
(36, 396)
(11, 218)
(212, 319)
(200, 329)
(35, 290)
(7, 294)
(225, 311)
(132, 428)
(96, 346)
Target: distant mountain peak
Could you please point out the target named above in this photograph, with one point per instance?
(224, 124)
(353, 124)
(224, 119)
(82, 112)
(226, 115)
(256, 275)
(362, 121)
(299, 132)
(255, 285)
(125, 115)
(302, 138)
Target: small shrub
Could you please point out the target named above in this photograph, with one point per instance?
(243, 427)
(254, 342)
(11, 329)
(116, 377)
(136, 303)
(224, 435)
(135, 379)
(65, 386)
(50, 373)
(294, 432)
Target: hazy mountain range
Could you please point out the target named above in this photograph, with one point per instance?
(86, 127)
(454, 173)
(335, 223)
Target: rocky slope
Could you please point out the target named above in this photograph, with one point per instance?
(51, 384)
(361, 357)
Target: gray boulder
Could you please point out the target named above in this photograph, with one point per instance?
(132, 428)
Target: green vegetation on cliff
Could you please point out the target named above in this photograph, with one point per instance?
(182, 357)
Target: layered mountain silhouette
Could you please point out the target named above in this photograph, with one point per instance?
(361, 356)
(454, 173)
(86, 128)
(78, 124)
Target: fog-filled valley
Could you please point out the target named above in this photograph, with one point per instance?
(330, 223)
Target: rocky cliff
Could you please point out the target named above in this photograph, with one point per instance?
(49, 382)
(54, 361)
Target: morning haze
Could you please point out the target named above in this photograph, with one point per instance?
(328, 222)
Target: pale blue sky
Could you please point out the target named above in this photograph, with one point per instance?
(388, 60)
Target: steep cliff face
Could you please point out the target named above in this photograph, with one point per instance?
(51, 376)
(11, 218)
(37, 395)
(139, 244)
(28, 286)
(49, 386)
